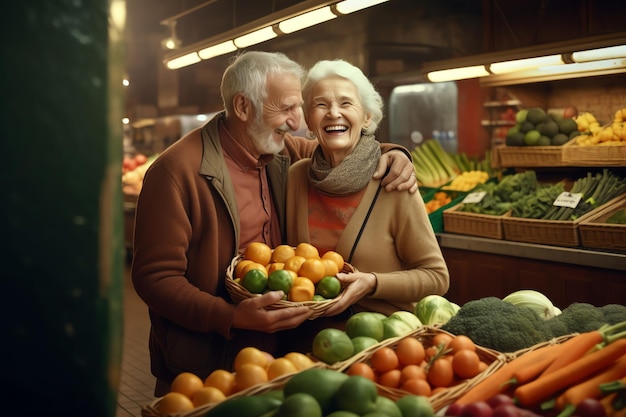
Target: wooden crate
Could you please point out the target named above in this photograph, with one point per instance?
(530, 156)
(596, 234)
(594, 155)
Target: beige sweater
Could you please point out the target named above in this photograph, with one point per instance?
(398, 244)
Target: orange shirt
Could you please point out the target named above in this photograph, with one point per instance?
(258, 220)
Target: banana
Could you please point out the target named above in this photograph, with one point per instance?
(620, 115)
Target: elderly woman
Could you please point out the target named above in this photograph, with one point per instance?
(334, 204)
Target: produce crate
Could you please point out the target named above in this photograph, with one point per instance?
(596, 234)
(447, 396)
(594, 155)
(436, 217)
(473, 224)
(530, 156)
(548, 232)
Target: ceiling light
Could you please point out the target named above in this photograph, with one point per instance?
(183, 61)
(524, 64)
(458, 73)
(350, 6)
(172, 42)
(306, 20)
(601, 53)
(216, 50)
(258, 36)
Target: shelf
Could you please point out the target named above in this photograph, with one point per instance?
(507, 103)
(497, 123)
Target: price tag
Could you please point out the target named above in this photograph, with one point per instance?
(474, 197)
(567, 199)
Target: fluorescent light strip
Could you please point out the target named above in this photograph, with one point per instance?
(183, 61)
(216, 50)
(599, 54)
(458, 73)
(607, 64)
(350, 6)
(258, 36)
(525, 64)
(306, 20)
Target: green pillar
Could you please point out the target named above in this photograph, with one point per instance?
(62, 236)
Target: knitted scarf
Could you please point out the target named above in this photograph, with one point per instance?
(352, 174)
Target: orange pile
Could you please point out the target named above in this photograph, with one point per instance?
(417, 369)
(304, 264)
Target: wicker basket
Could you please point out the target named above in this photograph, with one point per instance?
(473, 224)
(549, 232)
(530, 156)
(447, 396)
(596, 155)
(596, 234)
(238, 293)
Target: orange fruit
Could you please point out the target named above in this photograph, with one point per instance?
(302, 289)
(253, 265)
(330, 268)
(417, 386)
(186, 383)
(174, 403)
(222, 380)
(258, 252)
(335, 257)
(250, 355)
(279, 367)
(440, 373)
(460, 342)
(307, 251)
(440, 338)
(239, 268)
(207, 395)
(313, 269)
(299, 360)
(410, 351)
(249, 375)
(294, 263)
(362, 369)
(275, 266)
(390, 378)
(466, 363)
(281, 253)
(384, 359)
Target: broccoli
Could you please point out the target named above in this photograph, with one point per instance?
(496, 324)
(613, 313)
(579, 318)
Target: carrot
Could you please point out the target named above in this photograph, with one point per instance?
(534, 392)
(590, 388)
(499, 381)
(574, 349)
(533, 370)
(607, 403)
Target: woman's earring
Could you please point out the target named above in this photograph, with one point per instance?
(309, 134)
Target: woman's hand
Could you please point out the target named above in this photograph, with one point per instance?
(401, 174)
(356, 285)
(252, 314)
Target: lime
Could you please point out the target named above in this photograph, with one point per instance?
(328, 287)
(366, 323)
(332, 345)
(280, 280)
(300, 404)
(357, 395)
(255, 281)
(318, 297)
(415, 406)
(532, 138)
(361, 343)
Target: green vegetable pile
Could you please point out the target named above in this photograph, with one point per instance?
(502, 196)
(496, 324)
(619, 217)
(537, 204)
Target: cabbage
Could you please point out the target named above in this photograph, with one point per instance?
(534, 300)
(434, 309)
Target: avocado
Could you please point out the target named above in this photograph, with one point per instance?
(549, 128)
(560, 139)
(321, 383)
(515, 139)
(568, 126)
(526, 127)
(537, 115)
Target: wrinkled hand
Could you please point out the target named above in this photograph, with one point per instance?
(355, 286)
(252, 314)
(401, 176)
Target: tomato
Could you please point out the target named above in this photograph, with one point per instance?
(390, 378)
(410, 351)
(461, 342)
(440, 338)
(440, 373)
(466, 363)
(140, 159)
(416, 386)
(384, 359)
(363, 369)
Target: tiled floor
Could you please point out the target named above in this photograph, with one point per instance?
(137, 383)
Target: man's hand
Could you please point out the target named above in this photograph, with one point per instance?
(401, 176)
(252, 314)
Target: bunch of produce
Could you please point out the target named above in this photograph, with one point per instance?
(323, 392)
(468, 164)
(506, 327)
(300, 272)
(536, 127)
(134, 169)
(433, 165)
(595, 189)
(467, 180)
(500, 197)
(434, 310)
(619, 217)
(439, 200)
(592, 133)
(584, 373)
(251, 368)
(422, 366)
(537, 204)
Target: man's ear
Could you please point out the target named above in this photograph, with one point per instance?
(242, 107)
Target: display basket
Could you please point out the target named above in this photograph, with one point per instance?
(548, 232)
(473, 224)
(595, 233)
(151, 410)
(436, 216)
(531, 156)
(238, 293)
(442, 398)
(594, 155)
